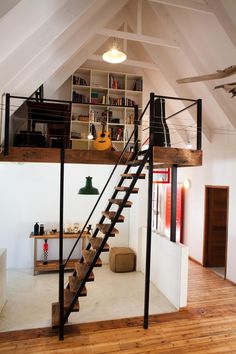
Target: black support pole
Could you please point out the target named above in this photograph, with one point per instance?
(173, 203)
(149, 239)
(199, 124)
(7, 123)
(149, 221)
(136, 130)
(61, 265)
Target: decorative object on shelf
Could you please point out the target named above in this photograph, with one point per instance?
(114, 55)
(76, 227)
(41, 229)
(45, 252)
(103, 141)
(36, 229)
(89, 228)
(88, 189)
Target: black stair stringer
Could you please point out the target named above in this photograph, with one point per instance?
(109, 231)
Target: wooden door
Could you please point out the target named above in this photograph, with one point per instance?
(216, 225)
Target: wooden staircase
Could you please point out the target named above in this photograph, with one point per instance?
(83, 271)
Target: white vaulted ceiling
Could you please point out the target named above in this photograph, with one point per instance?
(44, 42)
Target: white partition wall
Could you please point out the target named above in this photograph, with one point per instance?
(3, 260)
(169, 267)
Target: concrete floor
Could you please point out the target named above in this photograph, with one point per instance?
(111, 296)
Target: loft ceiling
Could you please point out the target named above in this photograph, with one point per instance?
(43, 42)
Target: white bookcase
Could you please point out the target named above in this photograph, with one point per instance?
(95, 95)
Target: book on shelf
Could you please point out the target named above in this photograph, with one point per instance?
(116, 83)
(129, 102)
(117, 101)
(79, 98)
(138, 85)
(78, 80)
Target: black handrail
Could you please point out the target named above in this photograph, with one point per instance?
(64, 316)
(137, 121)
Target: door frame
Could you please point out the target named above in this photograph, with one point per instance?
(204, 256)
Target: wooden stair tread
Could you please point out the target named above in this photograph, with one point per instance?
(125, 189)
(81, 270)
(111, 215)
(128, 204)
(56, 314)
(134, 163)
(142, 152)
(89, 255)
(74, 283)
(132, 175)
(68, 297)
(104, 228)
(96, 242)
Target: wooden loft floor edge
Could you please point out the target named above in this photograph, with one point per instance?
(166, 157)
(52, 155)
(163, 157)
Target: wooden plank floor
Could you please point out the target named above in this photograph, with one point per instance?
(207, 325)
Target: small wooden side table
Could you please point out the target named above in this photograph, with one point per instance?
(54, 264)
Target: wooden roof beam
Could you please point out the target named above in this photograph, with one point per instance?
(139, 38)
(198, 64)
(224, 19)
(186, 4)
(129, 62)
(79, 58)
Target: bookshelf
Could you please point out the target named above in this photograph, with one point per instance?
(103, 96)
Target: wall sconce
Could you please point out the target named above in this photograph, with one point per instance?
(114, 55)
(187, 184)
(88, 189)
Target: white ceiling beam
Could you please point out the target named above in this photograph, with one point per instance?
(139, 16)
(78, 59)
(164, 70)
(36, 48)
(69, 45)
(167, 71)
(223, 18)
(186, 4)
(22, 20)
(196, 62)
(129, 62)
(138, 38)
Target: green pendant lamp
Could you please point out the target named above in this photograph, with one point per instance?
(88, 189)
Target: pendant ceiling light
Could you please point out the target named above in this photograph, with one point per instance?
(88, 189)
(114, 55)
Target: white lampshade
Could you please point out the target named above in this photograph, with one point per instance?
(90, 136)
(114, 55)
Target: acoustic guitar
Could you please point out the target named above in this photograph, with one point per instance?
(103, 141)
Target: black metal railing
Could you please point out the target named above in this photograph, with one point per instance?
(44, 115)
(154, 128)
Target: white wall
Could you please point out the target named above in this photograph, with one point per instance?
(219, 169)
(169, 267)
(30, 192)
(3, 261)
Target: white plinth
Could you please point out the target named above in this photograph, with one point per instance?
(3, 278)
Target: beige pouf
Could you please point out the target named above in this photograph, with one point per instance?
(122, 259)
